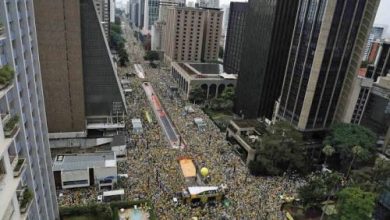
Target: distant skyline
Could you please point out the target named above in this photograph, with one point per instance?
(382, 17)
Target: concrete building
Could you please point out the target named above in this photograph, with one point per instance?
(266, 43)
(84, 170)
(103, 9)
(245, 134)
(80, 83)
(376, 114)
(152, 8)
(207, 3)
(375, 34)
(137, 14)
(235, 37)
(225, 21)
(112, 11)
(323, 61)
(208, 76)
(158, 26)
(192, 34)
(370, 106)
(25, 161)
(358, 100)
(381, 64)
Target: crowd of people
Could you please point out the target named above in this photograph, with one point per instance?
(154, 172)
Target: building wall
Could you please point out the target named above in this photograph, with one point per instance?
(212, 35)
(235, 37)
(19, 50)
(375, 34)
(268, 33)
(366, 22)
(58, 28)
(381, 65)
(103, 9)
(103, 94)
(191, 34)
(323, 61)
(183, 34)
(376, 114)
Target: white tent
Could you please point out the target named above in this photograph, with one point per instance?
(200, 123)
(137, 125)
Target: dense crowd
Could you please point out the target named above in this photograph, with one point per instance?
(155, 174)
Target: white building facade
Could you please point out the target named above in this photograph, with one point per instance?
(25, 161)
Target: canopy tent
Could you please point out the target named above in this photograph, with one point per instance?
(200, 123)
(189, 109)
(137, 125)
(195, 190)
(187, 167)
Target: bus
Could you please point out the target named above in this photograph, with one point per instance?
(197, 195)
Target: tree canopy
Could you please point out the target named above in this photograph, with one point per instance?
(152, 55)
(117, 42)
(354, 203)
(197, 94)
(319, 187)
(228, 93)
(280, 150)
(344, 137)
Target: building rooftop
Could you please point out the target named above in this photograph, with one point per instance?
(208, 68)
(84, 161)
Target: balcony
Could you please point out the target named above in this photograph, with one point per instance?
(19, 166)
(25, 196)
(11, 126)
(6, 77)
(2, 31)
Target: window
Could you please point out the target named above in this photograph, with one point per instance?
(75, 182)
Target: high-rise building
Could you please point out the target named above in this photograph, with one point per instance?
(112, 11)
(207, 3)
(375, 34)
(192, 34)
(326, 49)
(103, 11)
(267, 37)
(381, 64)
(235, 37)
(25, 160)
(376, 114)
(225, 21)
(157, 27)
(80, 83)
(152, 8)
(137, 14)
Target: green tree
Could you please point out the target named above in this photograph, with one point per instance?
(357, 152)
(123, 57)
(281, 149)
(117, 20)
(197, 95)
(220, 52)
(354, 203)
(343, 137)
(228, 93)
(328, 151)
(116, 28)
(319, 187)
(152, 55)
(372, 178)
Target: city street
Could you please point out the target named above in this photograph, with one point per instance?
(152, 167)
(158, 173)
